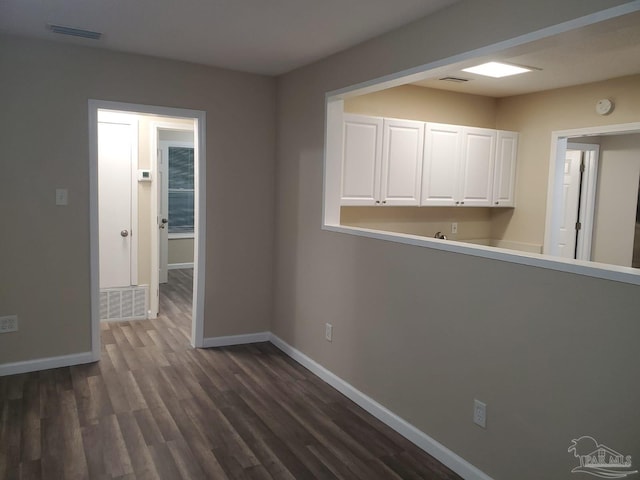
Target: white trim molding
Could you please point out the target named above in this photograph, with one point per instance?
(176, 266)
(27, 366)
(236, 339)
(179, 236)
(441, 453)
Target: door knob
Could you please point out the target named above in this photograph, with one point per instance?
(124, 233)
(163, 222)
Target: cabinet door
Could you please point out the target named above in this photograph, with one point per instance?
(402, 147)
(361, 160)
(476, 167)
(442, 148)
(504, 180)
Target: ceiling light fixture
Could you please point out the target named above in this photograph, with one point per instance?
(74, 32)
(497, 69)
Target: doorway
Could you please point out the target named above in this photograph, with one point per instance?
(176, 195)
(146, 177)
(607, 194)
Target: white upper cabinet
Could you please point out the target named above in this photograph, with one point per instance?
(504, 179)
(458, 166)
(382, 161)
(361, 160)
(407, 163)
(402, 146)
(442, 149)
(476, 167)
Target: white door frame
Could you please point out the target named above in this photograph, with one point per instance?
(155, 217)
(197, 324)
(559, 140)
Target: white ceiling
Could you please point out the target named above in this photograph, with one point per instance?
(602, 51)
(259, 36)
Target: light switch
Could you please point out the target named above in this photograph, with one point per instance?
(62, 196)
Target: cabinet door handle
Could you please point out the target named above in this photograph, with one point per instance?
(496, 203)
(461, 203)
(384, 201)
(457, 203)
(377, 201)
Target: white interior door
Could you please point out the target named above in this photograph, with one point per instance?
(116, 154)
(570, 203)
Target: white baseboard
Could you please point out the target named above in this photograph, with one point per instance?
(404, 428)
(176, 266)
(236, 339)
(46, 363)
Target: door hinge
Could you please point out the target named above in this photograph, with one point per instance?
(578, 225)
(582, 167)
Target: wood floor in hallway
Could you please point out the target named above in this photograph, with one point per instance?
(155, 408)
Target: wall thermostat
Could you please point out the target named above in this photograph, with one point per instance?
(604, 106)
(144, 175)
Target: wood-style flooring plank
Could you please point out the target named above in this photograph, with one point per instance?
(155, 408)
(139, 454)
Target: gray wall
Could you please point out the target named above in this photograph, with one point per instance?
(424, 332)
(44, 254)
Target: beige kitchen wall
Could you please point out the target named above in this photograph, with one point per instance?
(45, 273)
(617, 198)
(177, 135)
(427, 105)
(425, 331)
(473, 223)
(180, 250)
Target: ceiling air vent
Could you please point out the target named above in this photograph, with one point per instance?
(75, 32)
(454, 79)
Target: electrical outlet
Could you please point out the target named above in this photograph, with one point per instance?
(9, 324)
(62, 196)
(480, 413)
(328, 331)
(454, 227)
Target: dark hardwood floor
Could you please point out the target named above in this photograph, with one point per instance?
(153, 407)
